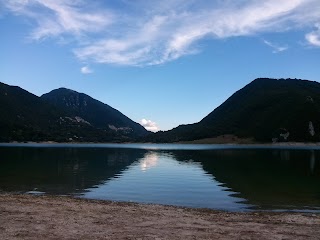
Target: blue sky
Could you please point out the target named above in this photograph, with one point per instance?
(161, 63)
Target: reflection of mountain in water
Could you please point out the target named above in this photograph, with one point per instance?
(62, 170)
(266, 178)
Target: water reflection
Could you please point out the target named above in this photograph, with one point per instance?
(267, 179)
(168, 182)
(312, 160)
(61, 170)
(149, 160)
(224, 178)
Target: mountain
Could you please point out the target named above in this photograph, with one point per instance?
(24, 115)
(27, 117)
(265, 110)
(93, 112)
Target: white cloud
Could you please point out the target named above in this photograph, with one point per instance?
(58, 17)
(149, 125)
(276, 48)
(153, 32)
(313, 38)
(86, 70)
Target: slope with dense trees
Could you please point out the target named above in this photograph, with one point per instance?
(27, 117)
(96, 113)
(265, 110)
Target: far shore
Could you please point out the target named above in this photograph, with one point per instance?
(60, 217)
(195, 142)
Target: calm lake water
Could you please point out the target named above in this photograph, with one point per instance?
(227, 177)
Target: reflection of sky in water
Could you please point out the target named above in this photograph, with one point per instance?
(218, 177)
(150, 160)
(159, 178)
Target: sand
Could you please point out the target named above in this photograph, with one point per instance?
(53, 217)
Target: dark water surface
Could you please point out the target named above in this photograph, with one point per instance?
(234, 178)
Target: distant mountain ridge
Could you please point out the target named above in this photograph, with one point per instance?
(265, 110)
(92, 111)
(62, 115)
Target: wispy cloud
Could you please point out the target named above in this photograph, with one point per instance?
(276, 48)
(86, 70)
(140, 33)
(60, 17)
(313, 37)
(149, 125)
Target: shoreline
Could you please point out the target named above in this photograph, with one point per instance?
(178, 143)
(278, 144)
(60, 217)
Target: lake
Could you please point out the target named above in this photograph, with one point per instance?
(224, 177)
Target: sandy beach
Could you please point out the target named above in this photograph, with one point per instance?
(54, 217)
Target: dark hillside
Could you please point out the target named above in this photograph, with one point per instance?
(265, 109)
(96, 113)
(27, 117)
(24, 116)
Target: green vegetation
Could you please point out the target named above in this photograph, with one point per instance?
(94, 112)
(265, 109)
(26, 117)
